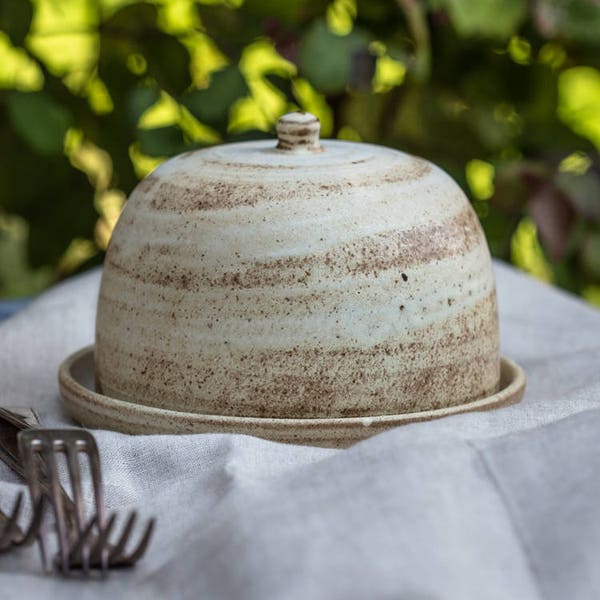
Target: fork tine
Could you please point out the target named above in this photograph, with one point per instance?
(4, 537)
(27, 443)
(99, 553)
(41, 536)
(14, 515)
(117, 551)
(141, 548)
(12, 525)
(11, 528)
(48, 450)
(86, 443)
(72, 451)
(91, 449)
(12, 535)
(82, 541)
(34, 527)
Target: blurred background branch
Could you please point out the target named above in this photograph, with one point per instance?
(503, 94)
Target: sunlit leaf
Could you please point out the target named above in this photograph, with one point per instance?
(579, 101)
(480, 177)
(527, 253)
(388, 74)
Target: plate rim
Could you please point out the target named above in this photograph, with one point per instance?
(85, 405)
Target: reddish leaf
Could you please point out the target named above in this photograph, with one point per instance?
(583, 191)
(554, 216)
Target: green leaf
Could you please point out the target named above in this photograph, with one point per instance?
(17, 279)
(233, 30)
(139, 100)
(283, 84)
(250, 135)
(15, 19)
(54, 199)
(326, 59)
(211, 105)
(590, 254)
(39, 120)
(168, 62)
(134, 29)
(510, 191)
(161, 141)
(487, 18)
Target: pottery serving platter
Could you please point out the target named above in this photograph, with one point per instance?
(95, 410)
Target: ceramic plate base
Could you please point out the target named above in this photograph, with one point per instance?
(94, 410)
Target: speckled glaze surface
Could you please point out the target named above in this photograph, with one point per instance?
(95, 410)
(310, 280)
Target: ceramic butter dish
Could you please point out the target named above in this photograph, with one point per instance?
(302, 290)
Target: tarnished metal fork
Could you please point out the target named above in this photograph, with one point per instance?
(86, 545)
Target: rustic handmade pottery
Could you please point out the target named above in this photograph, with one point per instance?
(302, 279)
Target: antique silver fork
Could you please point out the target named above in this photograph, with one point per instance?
(87, 544)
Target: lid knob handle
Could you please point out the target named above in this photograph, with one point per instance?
(298, 132)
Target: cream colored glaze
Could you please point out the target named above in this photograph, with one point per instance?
(254, 281)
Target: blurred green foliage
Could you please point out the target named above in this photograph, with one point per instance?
(503, 94)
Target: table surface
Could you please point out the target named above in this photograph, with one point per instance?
(501, 504)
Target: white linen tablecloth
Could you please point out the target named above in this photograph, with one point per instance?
(501, 504)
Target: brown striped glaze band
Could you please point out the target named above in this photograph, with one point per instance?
(97, 411)
(252, 280)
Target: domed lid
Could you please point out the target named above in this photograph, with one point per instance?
(297, 157)
(297, 278)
